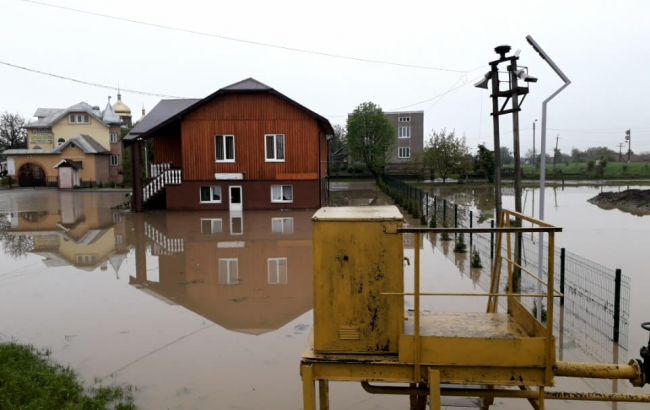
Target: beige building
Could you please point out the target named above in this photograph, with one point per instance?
(75, 146)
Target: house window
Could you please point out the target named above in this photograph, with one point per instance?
(211, 226)
(119, 239)
(282, 225)
(86, 260)
(404, 152)
(113, 137)
(404, 132)
(236, 225)
(274, 147)
(277, 271)
(228, 271)
(211, 194)
(79, 118)
(281, 193)
(115, 160)
(403, 119)
(224, 148)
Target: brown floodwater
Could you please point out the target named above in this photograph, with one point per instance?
(212, 310)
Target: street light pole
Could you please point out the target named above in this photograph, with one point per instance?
(628, 138)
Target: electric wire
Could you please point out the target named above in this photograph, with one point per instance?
(246, 41)
(89, 83)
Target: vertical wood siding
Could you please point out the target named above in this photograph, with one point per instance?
(167, 146)
(249, 117)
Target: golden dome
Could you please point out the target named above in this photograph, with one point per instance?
(120, 108)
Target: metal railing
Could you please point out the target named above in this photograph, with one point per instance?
(493, 294)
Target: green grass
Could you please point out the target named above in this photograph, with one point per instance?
(29, 380)
(581, 170)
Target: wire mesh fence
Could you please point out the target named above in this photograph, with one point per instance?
(591, 289)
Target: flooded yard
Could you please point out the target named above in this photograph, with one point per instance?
(212, 310)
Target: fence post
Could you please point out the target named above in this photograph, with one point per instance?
(435, 209)
(471, 225)
(562, 270)
(455, 215)
(492, 240)
(444, 212)
(617, 303)
(426, 207)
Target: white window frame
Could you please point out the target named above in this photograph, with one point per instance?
(282, 225)
(115, 160)
(86, 259)
(404, 152)
(405, 118)
(404, 131)
(233, 225)
(114, 138)
(229, 276)
(211, 200)
(216, 225)
(79, 118)
(277, 272)
(282, 188)
(234, 151)
(273, 157)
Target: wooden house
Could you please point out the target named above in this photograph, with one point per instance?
(246, 146)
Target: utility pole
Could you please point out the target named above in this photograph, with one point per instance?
(511, 94)
(534, 158)
(628, 138)
(620, 151)
(557, 139)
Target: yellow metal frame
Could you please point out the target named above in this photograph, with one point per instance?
(525, 361)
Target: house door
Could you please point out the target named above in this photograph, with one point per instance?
(235, 198)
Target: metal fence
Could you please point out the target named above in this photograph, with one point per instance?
(597, 298)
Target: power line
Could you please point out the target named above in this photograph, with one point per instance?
(246, 41)
(89, 83)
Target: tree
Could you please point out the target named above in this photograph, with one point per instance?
(371, 137)
(338, 152)
(446, 154)
(12, 131)
(506, 156)
(484, 162)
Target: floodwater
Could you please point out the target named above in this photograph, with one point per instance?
(212, 310)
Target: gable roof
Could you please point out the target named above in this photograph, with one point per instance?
(84, 142)
(163, 111)
(47, 117)
(248, 85)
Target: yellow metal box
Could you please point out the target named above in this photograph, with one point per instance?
(358, 255)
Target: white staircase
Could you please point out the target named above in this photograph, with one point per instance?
(162, 179)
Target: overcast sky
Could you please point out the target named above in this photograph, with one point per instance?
(603, 46)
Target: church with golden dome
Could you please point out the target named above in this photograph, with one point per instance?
(122, 110)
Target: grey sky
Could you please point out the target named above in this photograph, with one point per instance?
(603, 46)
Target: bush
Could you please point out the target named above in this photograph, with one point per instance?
(8, 181)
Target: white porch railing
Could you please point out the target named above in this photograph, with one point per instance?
(157, 169)
(167, 177)
(163, 245)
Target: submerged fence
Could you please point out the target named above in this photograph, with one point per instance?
(597, 298)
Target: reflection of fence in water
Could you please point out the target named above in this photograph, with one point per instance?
(589, 286)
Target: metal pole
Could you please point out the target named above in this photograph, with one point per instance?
(426, 207)
(617, 304)
(542, 150)
(562, 267)
(492, 240)
(471, 225)
(444, 213)
(455, 215)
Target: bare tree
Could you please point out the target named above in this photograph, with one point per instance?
(12, 131)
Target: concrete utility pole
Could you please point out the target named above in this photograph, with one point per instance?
(628, 138)
(557, 140)
(534, 158)
(620, 151)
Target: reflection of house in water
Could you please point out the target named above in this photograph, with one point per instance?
(248, 272)
(80, 233)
